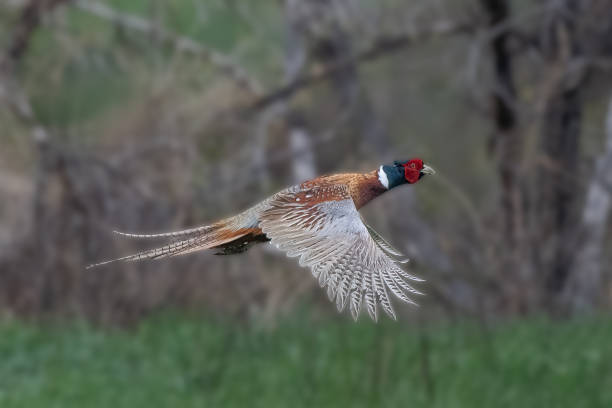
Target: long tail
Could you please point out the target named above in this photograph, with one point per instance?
(174, 234)
(200, 238)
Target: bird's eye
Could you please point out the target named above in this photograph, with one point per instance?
(412, 165)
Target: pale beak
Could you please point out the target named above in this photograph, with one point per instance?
(427, 170)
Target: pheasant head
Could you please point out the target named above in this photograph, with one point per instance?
(402, 172)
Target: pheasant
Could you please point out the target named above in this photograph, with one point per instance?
(317, 221)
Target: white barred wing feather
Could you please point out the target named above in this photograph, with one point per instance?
(351, 260)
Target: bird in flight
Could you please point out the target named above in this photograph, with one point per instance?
(317, 221)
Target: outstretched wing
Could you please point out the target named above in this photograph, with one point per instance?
(322, 227)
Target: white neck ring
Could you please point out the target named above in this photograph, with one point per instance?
(382, 177)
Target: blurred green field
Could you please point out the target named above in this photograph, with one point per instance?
(172, 361)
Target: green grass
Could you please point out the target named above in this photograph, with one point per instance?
(171, 361)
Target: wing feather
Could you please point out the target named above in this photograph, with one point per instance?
(348, 258)
(396, 255)
(356, 293)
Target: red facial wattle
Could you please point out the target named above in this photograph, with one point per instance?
(412, 170)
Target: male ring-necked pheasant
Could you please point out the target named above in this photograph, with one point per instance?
(317, 221)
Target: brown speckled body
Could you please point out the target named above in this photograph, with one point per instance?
(363, 187)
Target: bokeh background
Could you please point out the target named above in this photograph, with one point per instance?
(154, 115)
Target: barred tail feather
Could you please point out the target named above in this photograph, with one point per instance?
(174, 248)
(215, 235)
(173, 234)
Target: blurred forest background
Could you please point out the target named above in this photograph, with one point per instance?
(154, 115)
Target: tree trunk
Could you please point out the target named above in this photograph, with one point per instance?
(585, 280)
(304, 165)
(506, 147)
(559, 187)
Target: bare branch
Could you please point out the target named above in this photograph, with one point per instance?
(29, 20)
(11, 92)
(383, 46)
(182, 43)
